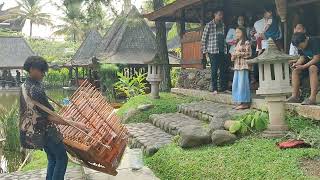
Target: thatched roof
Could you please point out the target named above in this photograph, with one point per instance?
(128, 41)
(86, 51)
(13, 52)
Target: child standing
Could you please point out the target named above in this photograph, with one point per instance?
(241, 87)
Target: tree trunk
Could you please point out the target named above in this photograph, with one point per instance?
(31, 24)
(161, 40)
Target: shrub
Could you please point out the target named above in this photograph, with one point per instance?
(57, 78)
(10, 123)
(131, 87)
(250, 122)
(175, 72)
(108, 75)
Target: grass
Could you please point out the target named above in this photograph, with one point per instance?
(166, 104)
(39, 161)
(249, 158)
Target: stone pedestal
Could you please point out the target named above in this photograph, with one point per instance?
(155, 89)
(154, 78)
(277, 126)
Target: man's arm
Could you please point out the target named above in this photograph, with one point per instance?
(314, 61)
(204, 38)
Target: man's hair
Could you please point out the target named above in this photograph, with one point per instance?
(298, 38)
(215, 11)
(36, 62)
(301, 24)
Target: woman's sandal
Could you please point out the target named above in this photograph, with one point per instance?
(293, 100)
(242, 107)
(308, 102)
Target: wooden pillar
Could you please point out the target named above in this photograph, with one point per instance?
(77, 76)
(203, 15)
(182, 23)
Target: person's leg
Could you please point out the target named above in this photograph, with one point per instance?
(61, 159)
(313, 73)
(296, 83)
(214, 69)
(244, 90)
(223, 68)
(51, 163)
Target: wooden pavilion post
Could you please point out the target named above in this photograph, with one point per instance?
(203, 24)
(282, 8)
(77, 76)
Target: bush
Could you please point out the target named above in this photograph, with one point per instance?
(108, 75)
(250, 122)
(57, 78)
(133, 86)
(175, 73)
(10, 123)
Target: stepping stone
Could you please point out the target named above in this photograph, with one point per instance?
(173, 122)
(211, 112)
(147, 137)
(71, 174)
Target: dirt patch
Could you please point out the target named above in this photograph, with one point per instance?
(311, 167)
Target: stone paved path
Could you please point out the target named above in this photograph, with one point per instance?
(75, 173)
(125, 171)
(172, 122)
(147, 137)
(208, 111)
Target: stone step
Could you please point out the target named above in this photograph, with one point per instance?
(312, 112)
(147, 137)
(210, 111)
(172, 122)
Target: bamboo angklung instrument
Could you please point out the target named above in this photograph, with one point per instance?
(103, 146)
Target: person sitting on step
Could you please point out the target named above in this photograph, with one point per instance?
(307, 64)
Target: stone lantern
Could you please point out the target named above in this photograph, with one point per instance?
(154, 78)
(274, 84)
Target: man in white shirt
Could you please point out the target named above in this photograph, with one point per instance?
(298, 28)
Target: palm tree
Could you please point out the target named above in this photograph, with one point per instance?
(32, 10)
(73, 27)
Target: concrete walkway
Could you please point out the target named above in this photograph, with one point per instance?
(132, 159)
(75, 173)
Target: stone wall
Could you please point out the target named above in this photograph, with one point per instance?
(194, 79)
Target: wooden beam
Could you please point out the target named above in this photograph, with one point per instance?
(302, 2)
(170, 9)
(182, 23)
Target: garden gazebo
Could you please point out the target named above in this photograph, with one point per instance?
(13, 53)
(201, 12)
(85, 55)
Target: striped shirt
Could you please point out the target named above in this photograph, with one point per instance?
(210, 38)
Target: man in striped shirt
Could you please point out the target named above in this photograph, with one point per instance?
(214, 46)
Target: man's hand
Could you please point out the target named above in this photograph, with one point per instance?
(300, 67)
(79, 125)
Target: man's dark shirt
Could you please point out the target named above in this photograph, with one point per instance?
(312, 49)
(43, 126)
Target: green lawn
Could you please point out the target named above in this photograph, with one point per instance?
(39, 161)
(250, 158)
(166, 104)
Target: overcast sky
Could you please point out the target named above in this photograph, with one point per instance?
(46, 32)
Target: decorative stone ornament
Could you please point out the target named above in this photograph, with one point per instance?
(154, 78)
(274, 84)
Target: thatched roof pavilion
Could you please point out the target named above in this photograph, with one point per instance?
(129, 41)
(86, 52)
(13, 52)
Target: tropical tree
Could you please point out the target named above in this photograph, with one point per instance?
(73, 20)
(32, 10)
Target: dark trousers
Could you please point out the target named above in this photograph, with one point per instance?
(57, 160)
(218, 63)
